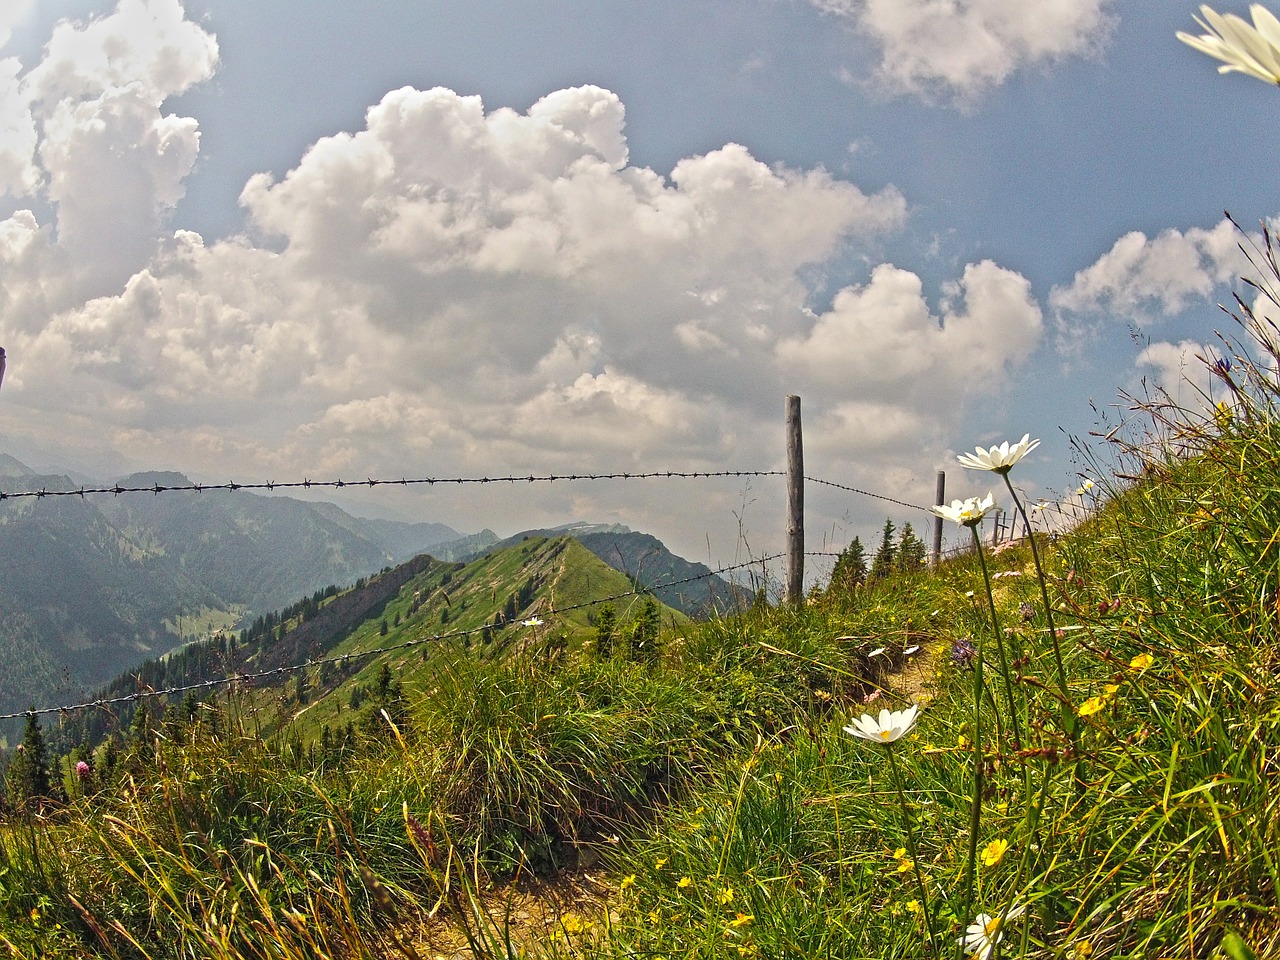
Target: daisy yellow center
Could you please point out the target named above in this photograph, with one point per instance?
(992, 927)
(885, 734)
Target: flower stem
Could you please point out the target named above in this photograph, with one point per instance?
(912, 848)
(995, 629)
(975, 810)
(1069, 722)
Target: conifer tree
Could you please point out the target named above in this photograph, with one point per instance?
(606, 627)
(882, 564)
(29, 780)
(140, 726)
(644, 633)
(851, 566)
(911, 551)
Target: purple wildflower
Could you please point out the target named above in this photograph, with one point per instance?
(963, 652)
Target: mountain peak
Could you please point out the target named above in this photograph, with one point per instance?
(9, 467)
(156, 478)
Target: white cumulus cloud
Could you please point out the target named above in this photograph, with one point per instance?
(884, 334)
(1145, 279)
(962, 48)
(84, 131)
(1181, 372)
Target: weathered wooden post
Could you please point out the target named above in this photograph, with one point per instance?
(795, 503)
(939, 499)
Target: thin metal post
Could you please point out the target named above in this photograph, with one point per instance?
(939, 499)
(795, 503)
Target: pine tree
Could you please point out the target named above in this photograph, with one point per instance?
(882, 564)
(140, 726)
(644, 633)
(851, 567)
(29, 781)
(606, 627)
(911, 551)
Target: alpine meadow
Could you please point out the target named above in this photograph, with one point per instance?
(263, 728)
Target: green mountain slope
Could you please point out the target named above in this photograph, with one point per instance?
(679, 583)
(73, 609)
(481, 607)
(395, 625)
(262, 552)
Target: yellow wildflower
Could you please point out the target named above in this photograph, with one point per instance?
(660, 863)
(741, 920)
(572, 923)
(684, 882)
(655, 915)
(627, 881)
(899, 853)
(1141, 661)
(994, 852)
(913, 906)
(1082, 950)
(726, 895)
(905, 864)
(1091, 706)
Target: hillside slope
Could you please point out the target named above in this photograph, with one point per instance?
(398, 621)
(79, 599)
(685, 585)
(97, 585)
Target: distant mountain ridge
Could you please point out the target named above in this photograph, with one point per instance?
(94, 585)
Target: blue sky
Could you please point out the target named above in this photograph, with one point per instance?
(263, 240)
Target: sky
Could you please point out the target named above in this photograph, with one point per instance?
(259, 240)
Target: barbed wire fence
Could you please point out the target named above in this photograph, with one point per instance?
(794, 475)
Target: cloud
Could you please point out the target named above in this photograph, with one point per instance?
(452, 289)
(18, 173)
(1144, 279)
(882, 338)
(1180, 371)
(963, 48)
(84, 131)
(11, 14)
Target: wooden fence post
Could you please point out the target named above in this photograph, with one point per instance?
(795, 503)
(939, 499)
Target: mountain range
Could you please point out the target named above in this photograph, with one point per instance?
(92, 586)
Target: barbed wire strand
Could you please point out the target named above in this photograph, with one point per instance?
(347, 658)
(867, 493)
(307, 484)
